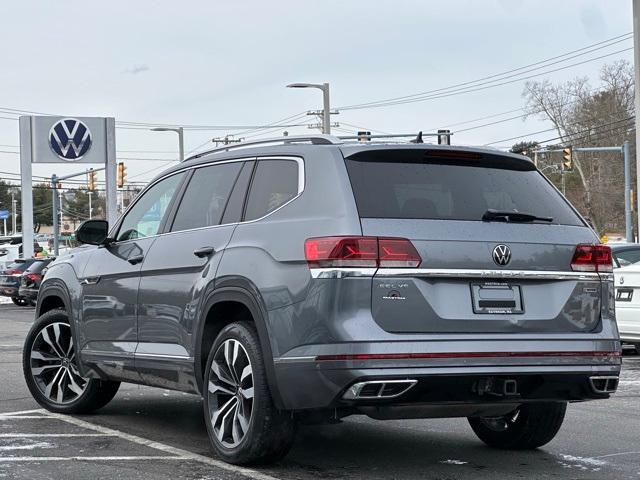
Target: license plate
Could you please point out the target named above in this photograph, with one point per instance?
(624, 294)
(496, 298)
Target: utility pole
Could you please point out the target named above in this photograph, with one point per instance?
(14, 222)
(636, 69)
(90, 208)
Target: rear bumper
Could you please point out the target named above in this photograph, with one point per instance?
(28, 293)
(447, 371)
(8, 290)
(628, 319)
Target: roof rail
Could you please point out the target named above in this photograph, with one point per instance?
(318, 139)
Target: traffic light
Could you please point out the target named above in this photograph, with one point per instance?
(567, 159)
(122, 174)
(92, 179)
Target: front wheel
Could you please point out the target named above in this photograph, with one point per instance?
(244, 425)
(49, 363)
(530, 426)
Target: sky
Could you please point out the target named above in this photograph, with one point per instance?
(213, 63)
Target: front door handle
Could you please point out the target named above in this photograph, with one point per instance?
(135, 259)
(203, 252)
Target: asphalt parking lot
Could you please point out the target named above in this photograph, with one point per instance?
(153, 433)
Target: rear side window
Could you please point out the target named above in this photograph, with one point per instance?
(627, 257)
(275, 182)
(451, 191)
(206, 196)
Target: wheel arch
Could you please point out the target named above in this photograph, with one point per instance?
(240, 296)
(55, 294)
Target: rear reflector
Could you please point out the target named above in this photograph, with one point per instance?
(365, 252)
(592, 258)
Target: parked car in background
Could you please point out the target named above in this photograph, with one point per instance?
(625, 254)
(10, 280)
(627, 284)
(31, 279)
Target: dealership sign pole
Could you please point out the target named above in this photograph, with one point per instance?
(49, 139)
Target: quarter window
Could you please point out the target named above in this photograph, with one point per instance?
(275, 182)
(145, 217)
(206, 196)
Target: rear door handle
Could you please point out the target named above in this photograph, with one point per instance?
(135, 259)
(203, 252)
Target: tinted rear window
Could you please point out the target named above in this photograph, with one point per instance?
(428, 189)
(38, 266)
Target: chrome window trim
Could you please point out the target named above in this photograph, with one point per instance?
(301, 186)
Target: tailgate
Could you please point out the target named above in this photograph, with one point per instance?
(459, 287)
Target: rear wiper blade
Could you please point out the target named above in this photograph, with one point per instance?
(513, 216)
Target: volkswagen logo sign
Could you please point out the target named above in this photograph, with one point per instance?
(501, 255)
(70, 139)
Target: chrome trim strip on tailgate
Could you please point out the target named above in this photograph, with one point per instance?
(477, 273)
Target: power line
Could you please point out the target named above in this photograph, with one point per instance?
(496, 77)
(571, 135)
(493, 85)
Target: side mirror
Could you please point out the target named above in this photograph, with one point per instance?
(93, 232)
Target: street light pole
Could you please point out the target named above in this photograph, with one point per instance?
(180, 132)
(326, 102)
(636, 69)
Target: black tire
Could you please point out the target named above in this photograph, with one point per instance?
(20, 301)
(95, 393)
(530, 426)
(270, 432)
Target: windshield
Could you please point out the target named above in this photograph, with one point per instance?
(447, 191)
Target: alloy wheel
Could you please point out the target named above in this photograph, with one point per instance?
(53, 364)
(230, 393)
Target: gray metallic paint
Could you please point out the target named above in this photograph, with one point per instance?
(300, 315)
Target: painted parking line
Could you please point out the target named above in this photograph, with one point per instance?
(54, 435)
(171, 453)
(185, 454)
(24, 417)
(21, 412)
(87, 459)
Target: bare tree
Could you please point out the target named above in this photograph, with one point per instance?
(586, 116)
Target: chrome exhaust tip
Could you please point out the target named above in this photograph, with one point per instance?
(604, 384)
(378, 389)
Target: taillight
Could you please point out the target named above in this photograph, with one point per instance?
(363, 252)
(13, 271)
(592, 258)
(398, 253)
(34, 277)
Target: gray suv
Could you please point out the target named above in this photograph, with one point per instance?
(306, 279)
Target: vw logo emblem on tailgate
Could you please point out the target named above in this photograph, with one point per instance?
(70, 139)
(501, 255)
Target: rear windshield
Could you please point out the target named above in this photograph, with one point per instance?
(38, 266)
(450, 190)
